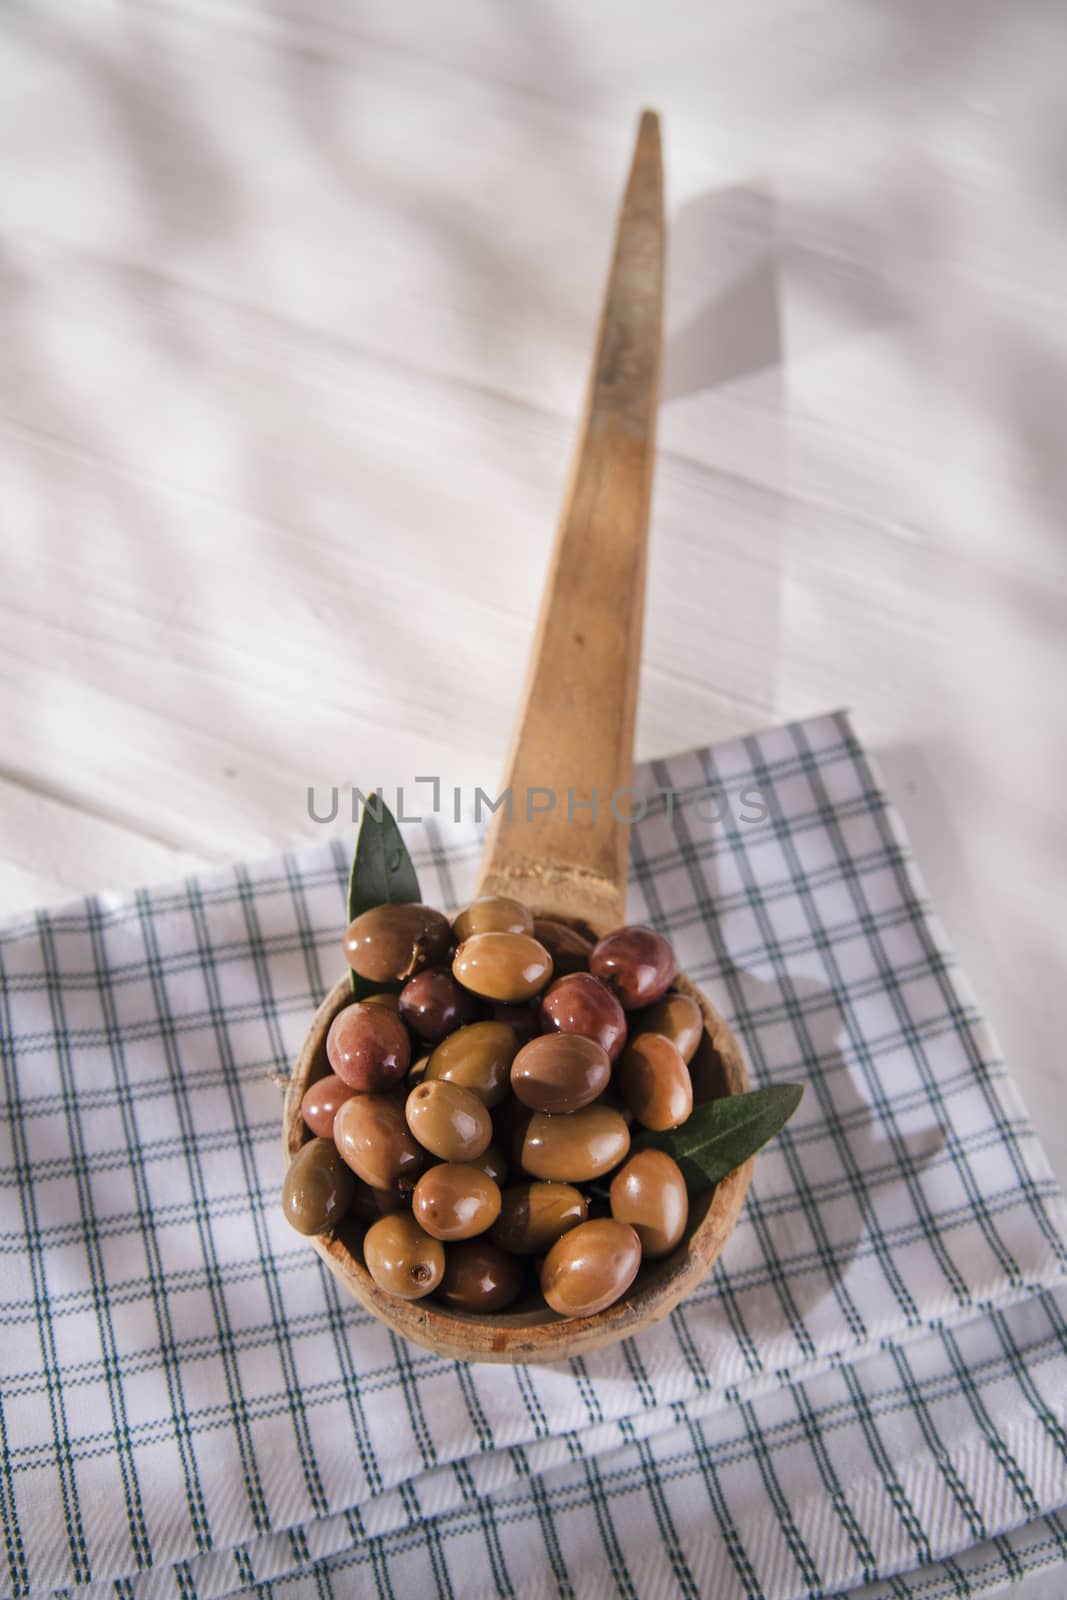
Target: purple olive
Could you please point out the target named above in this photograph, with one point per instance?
(637, 965)
(434, 1005)
(368, 1047)
(579, 1003)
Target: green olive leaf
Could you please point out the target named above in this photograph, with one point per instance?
(382, 874)
(720, 1135)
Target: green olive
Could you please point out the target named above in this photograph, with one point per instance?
(318, 1188)
(479, 1277)
(560, 1072)
(591, 1267)
(389, 943)
(375, 1141)
(402, 1258)
(477, 1057)
(493, 913)
(455, 1201)
(502, 966)
(534, 1215)
(654, 1081)
(649, 1193)
(448, 1120)
(577, 1147)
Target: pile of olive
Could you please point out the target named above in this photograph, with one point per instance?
(470, 1104)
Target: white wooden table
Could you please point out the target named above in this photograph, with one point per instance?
(296, 307)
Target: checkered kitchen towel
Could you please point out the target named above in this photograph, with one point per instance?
(871, 1383)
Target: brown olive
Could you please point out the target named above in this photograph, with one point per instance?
(525, 1019)
(560, 1072)
(580, 1004)
(654, 1081)
(391, 1002)
(402, 1258)
(649, 1193)
(375, 1141)
(416, 1072)
(492, 1162)
(318, 1187)
(369, 1204)
(678, 1018)
(448, 1120)
(636, 963)
(503, 966)
(534, 1215)
(568, 948)
(368, 1047)
(575, 1147)
(322, 1102)
(434, 1005)
(455, 1201)
(591, 1267)
(390, 943)
(479, 1058)
(611, 1097)
(479, 1277)
(493, 913)
(510, 1121)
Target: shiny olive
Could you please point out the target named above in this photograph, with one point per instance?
(568, 948)
(636, 963)
(678, 1018)
(402, 1258)
(493, 913)
(391, 1002)
(560, 1072)
(591, 1267)
(455, 1201)
(322, 1102)
(434, 1005)
(503, 966)
(479, 1058)
(525, 1019)
(318, 1187)
(492, 1162)
(534, 1215)
(654, 1081)
(448, 1120)
(479, 1277)
(576, 1147)
(649, 1193)
(375, 1141)
(368, 1047)
(580, 1004)
(390, 943)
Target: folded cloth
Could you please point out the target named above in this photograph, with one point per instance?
(872, 1379)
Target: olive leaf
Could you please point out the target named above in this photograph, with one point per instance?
(382, 874)
(720, 1135)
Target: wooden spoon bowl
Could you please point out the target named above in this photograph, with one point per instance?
(576, 728)
(533, 1332)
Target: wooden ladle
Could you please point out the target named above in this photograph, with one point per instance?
(575, 733)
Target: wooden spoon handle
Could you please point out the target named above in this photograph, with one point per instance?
(564, 850)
